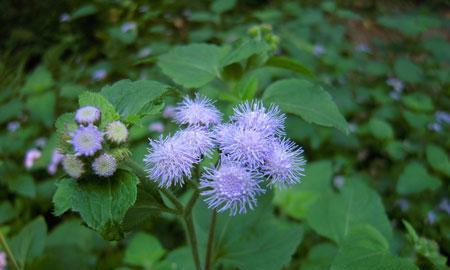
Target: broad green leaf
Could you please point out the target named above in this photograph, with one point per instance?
(254, 241)
(334, 215)
(126, 37)
(143, 250)
(7, 212)
(380, 129)
(221, 6)
(29, 243)
(438, 159)
(193, 65)
(418, 102)
(415, 178)
(108, 112)
(320, 257)
(365, 248)
(295, 201)
(178, 259)
(289, 64)
(42, 107)
(22, 184)
(10, 110)
(407, 71)
(84, 11)
(309, 101)
(131, 98)
(244, 50)
(409, 24)
(39, 80)
(101, 202)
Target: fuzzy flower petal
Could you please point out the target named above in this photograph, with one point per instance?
(199, 138)
(57, 158)
(248, 146)
(105, 165)
(230, 187)
(255, 116)
(31, 156)
(73, 166)
(198, 111)
(116, 132)
(87, 115)
(284, 165)
(169, 160)
(87, 140)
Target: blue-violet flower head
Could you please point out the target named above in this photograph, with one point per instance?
(199, 138)
(198, 111)
(87, 115)
(87, 140)
(104, 165)
(230, 186)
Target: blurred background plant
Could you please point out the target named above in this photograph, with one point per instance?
(384, 62)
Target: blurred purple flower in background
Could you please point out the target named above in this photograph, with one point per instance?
(362, 47)
(13, 126)
(156, 127)
(65, 17)
(99, 75)
(57, 158)
(31, 156)
(431, 217)
(169, 112)
(3, 262)
(318, 50)
(128, 26)
(444, 206)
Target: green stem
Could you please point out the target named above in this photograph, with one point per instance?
(210, 245)
(8, 251)
(173, 199)
(192, 237)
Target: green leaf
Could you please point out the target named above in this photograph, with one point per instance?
(39, 80)
(193, 65)
(101, 202)
(296, 201)
(132, 98)
(380, 129)
(415, 178)
(254, 241)
(334, 215)
(42, 107)
(418, 102)
(243, 50)
(221, 6)
(7, 212)
(143, 250)
(365, 248)
(22, 184)
(84, 11)
(108, 112)
(309, 101)
(438, 159)
(10, 110)
(30, 241)
(289, 64)
(407, 71)
(320, 257)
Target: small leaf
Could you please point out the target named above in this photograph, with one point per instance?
(243, 50)
(130, 98)
(42, 107)
(108, 112)
(39, 80)
(221, 6)
(407, 71)
(193, 65)
(30, 241)
(22, 184)
(309, 101)
(7, 212)
(364, 248)
(418, 102)
(143, 250)
(415, 178)
(289, 64)
(438, 159)
(334, 215)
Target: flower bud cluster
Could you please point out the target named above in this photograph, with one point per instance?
(252, 149)
(92, 148)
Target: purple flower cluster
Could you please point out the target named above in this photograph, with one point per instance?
(252, 148)
(88, 147)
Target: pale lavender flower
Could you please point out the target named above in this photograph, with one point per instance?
(230, 186)
(31, 156)
(362, 47)
(40, 142)
(144, 52)
(198, 111)
(99, 75)
(339, 181)
(284, 164)
(105, 165)
(436, 127)
(87, 140)
(396, 84)
(253, 115)
(403, 204)
(169, 112)
(128, 26)
(144, 8)
(116, 132)
(156, 127)
(248, 146)
(199, 138)
(395, 95)
(442, 117)
(431, 217)
(3, 262)
(169, 160)
(318, 50)
(444, 206)
(65, 17)
(87, 115)
(57, 158)
(13, 126)
(73, 166)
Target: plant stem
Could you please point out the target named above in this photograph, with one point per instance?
(173, 199)
(190, 230)
(8, 251)
(210, 246)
